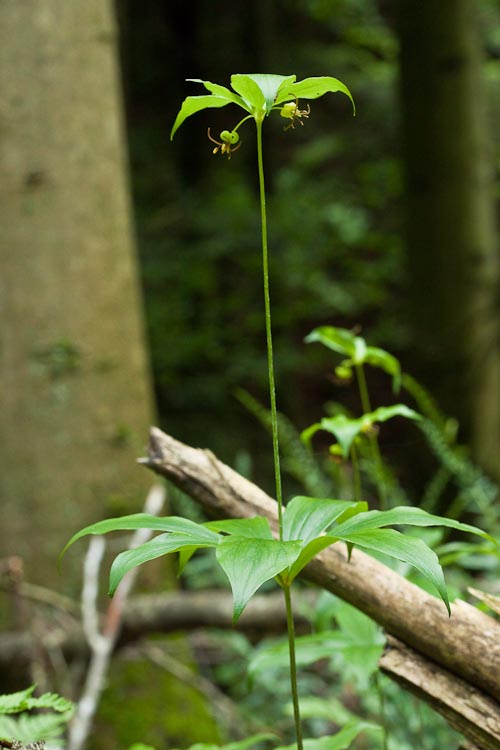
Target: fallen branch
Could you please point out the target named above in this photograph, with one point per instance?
(467, 645)
(473, 714)
(147, 614)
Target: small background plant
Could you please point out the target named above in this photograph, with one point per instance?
(34, 722)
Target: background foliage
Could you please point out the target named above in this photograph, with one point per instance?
(335, 207)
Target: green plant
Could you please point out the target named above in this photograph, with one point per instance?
(33, 730)
(245, 548)
(344, 649)
(358, 354)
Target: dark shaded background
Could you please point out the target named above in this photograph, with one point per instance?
(336, 205)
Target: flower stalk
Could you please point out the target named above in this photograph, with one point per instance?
(275, 436)
(258, 95)
(269, 335)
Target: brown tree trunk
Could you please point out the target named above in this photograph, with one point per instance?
(74, 375)
(451, 236)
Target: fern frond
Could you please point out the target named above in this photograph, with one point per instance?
(298, 460)
(14, 703)
(31, 728)
(424, 400)
(50, 700)
(478, 490)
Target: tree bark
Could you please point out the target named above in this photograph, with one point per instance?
(473, 714)
(74, 375)
(468, 644)
(451, 238)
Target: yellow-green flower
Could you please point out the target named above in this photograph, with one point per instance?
(226, 145)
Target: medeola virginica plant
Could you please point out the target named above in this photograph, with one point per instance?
(245, 548)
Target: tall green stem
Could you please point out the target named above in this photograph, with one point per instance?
(274, 423)
(269, 337)
(356, 473)
(293, 666)
(363, 389)
(377, 458)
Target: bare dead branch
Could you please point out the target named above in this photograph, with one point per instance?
(163, 613)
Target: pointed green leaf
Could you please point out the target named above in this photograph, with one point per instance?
(345, 429)
(307, 517)
(160, 545)
(194, 104)
(272, 86)
(307, 434)
(248, 563)
(143, 521)
(185, 555)
(405, 548)
(404, 515)
(221, 91)
(384, 361)
(251, 528)
(313, 88)
(360, 349)
(383, 413)
(307, 553)
(339, 340)
(309, 649)
(250, 92)
(345, 342)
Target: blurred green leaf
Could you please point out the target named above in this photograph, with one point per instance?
(346, 429)
(14, 703)
(339, 340)
(345, 342)
(245, 744)
(342, 740)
